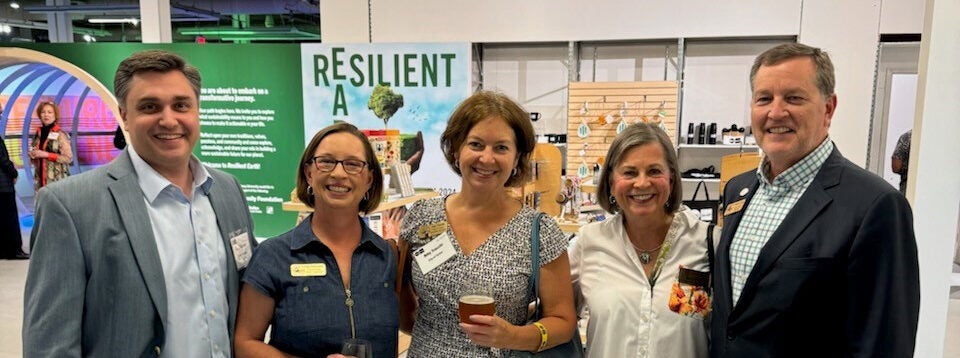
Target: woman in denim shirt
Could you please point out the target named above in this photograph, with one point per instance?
(330, 278)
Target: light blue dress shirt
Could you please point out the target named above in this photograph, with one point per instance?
(194, 262)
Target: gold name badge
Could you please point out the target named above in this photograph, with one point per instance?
(432, 230)
(308, 270)
(734, 207)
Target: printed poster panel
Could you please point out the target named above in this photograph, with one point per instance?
(250, 114)
(396, 93)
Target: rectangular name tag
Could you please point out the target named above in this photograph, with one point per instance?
(734, 207)
(240, 243)
(434, 253)
(308, 270)
(694, 277)
(431, 230)
(53, 135)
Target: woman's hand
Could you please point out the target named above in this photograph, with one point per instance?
(490, 331)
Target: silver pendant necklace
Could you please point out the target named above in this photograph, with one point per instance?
(644, 255)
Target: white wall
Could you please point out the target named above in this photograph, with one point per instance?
(901, 16)
(535, 76)
(854, 53)
(557, 20)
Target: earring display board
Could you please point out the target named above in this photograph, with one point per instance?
(597, 111)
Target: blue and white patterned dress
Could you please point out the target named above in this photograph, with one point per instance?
(502, 263)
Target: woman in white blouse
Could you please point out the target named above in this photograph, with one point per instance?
(642, 275)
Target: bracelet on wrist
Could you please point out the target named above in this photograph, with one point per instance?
(543, 335)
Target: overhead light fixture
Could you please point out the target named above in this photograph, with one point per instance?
(5, 29)
(15, 5)
(114, 20)
(89, 38)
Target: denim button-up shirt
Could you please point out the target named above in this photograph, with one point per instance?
(310, 317)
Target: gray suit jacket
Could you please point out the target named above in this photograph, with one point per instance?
(95, 285)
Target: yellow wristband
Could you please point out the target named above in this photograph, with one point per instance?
(543, 335)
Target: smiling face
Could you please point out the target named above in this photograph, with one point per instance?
(789, 115)
(488, 155)
(338, 189)
(641, 182)
(47, 114)
(162, 117)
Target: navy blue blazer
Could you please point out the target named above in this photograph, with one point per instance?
(839, 277)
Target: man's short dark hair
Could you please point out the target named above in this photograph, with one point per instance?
(821, 63)
(151, 61)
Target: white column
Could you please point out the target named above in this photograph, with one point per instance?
(155, 21)
(60, 28)
(932, 184)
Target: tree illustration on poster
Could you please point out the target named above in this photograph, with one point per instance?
(402, 91)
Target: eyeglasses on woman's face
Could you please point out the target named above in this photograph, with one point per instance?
(326, 165)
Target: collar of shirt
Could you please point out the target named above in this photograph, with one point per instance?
(799, 174)
(303, 236)
(152, 183)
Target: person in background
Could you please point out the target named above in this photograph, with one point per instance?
(900, 161)
(485, 239)
(298, 282)
(653, 248)
(11, 247)
(119, 141)
(50, 149)
(142, 256)
(817, 257)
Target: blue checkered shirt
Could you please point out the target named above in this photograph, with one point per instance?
(767, 209)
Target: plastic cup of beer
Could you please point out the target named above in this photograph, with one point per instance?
(476, 299)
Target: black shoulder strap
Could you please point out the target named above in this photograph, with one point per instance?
(710, 253)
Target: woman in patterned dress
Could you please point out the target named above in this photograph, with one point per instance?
(482, 236)
(50, 149)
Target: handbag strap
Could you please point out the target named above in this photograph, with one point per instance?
(534, 281)
(697, 190)
(710, 254)
(401, 248)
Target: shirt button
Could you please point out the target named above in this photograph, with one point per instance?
(213, 313)
(216, 347)
(730, 337)
(206, 276)
(306, 288)
(156, 349)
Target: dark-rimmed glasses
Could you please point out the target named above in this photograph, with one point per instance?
(326, 165)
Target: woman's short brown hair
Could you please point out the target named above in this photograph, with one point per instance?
(372, 197)
(636, 135)
(56, 111)
(481, 106)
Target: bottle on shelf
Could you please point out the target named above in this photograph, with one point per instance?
(701, 133)
(712, 134)
(691, 133)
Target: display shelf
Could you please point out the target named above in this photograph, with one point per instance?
(719, 146)
(421, 194)
(696, 180)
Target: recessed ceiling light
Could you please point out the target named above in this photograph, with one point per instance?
(14, 4)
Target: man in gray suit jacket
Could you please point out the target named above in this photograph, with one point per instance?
(817, 257)
(143, 256)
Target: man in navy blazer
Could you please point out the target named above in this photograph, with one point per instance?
(817, 257)
(141, 257)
